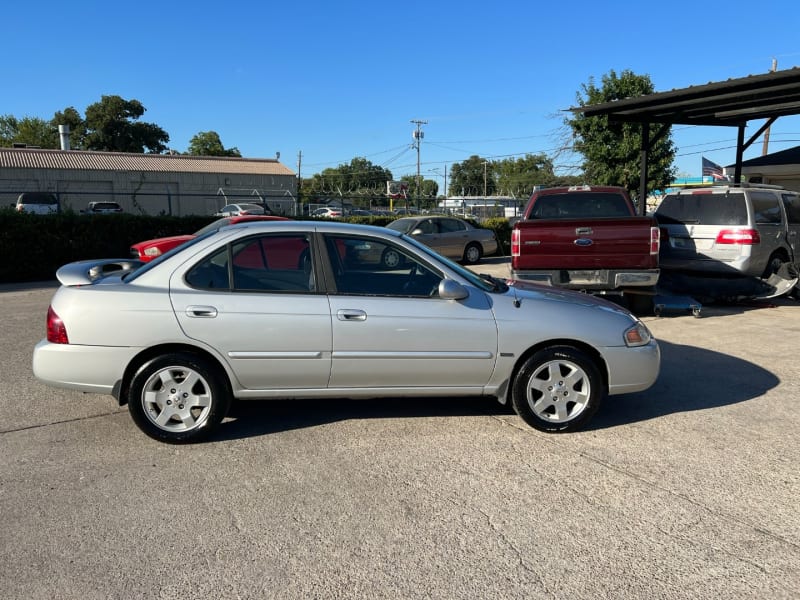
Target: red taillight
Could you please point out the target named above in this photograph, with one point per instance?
(515, 242)
(655, 240)
(745, 237)
(56, 331)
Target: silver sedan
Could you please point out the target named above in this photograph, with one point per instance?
(451, 237)
(289, 309)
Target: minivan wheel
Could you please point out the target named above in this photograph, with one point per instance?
(774, 265)
(178, 398)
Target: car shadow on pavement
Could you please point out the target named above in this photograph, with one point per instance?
(691, 379)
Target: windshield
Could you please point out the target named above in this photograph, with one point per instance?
(475, 279)
(213, 226)
(402, 225)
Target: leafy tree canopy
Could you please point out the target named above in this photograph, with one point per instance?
(359, 177)
(112, 125)
(208, 143)
(611, 150)
(472, 177)
(32, 131)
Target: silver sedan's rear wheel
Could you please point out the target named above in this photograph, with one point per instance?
(178, 398)
(557, 389)
(472, 253)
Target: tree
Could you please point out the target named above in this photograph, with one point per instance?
(208, 143)
(112, 126)
(32, 131)
(472, 177)
(358, 178)
(517, 177)
(611, 150)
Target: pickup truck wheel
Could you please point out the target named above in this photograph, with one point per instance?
(472, 253)
(178, 398)
(558, 389)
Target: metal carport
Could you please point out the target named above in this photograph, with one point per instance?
(730, 103)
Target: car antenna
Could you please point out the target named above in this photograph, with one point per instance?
(517, 301)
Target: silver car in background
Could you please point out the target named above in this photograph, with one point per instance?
(449, 236)
(751, 230)
(301, 309)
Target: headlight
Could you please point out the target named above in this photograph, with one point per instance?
(152, 251)
(638, 335)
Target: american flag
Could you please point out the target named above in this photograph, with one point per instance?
(712, 169)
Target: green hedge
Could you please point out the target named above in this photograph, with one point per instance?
(33, 247)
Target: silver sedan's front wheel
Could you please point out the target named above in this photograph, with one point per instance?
(178, 398)
(557, 389)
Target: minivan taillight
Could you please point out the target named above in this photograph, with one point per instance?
(515, 236)
(56, 331)
(744, 237)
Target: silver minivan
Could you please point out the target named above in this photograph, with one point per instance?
(729, 228)
(37, 203)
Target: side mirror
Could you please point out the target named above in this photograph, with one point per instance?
(417, 232)
(452, 290)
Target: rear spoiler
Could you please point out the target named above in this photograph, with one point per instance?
(85, 272)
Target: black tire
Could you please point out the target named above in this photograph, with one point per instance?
(178, 398)
(774, 264)
(391, 259)
(472, 253)
(558, 389)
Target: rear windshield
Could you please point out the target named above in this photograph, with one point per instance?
(37, 198)
(580, 205)
(703, 209)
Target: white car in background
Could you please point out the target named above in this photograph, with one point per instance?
(301, 309)
(236, 210)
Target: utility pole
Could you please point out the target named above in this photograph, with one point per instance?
(486, 162)
(418, 135)
(299, 179)
(765, 147)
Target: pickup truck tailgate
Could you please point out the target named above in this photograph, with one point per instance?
(607, 243)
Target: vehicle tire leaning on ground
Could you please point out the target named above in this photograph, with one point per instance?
(558, 389)
(178, 398)
(472, 253)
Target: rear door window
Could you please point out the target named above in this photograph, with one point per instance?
(703, 209)
(766, 208)
(791, 203)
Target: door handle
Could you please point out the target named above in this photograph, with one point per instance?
(205, 312)
(351, 314)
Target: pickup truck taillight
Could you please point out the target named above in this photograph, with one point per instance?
(515, 242)
(745, 237)
(56, 330)
(655, 240)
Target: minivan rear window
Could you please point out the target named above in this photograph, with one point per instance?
(37, 198)
(703, 209)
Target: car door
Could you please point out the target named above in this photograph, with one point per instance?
(256, 302)
(390, 328)
(454, 237)
(426, 231)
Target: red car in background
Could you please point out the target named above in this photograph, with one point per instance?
(150, 249)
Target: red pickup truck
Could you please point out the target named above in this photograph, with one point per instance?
(587, 238)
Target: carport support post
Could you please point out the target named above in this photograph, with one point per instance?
(737, 173)
(643, 169)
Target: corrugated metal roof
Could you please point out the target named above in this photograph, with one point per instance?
(732, 102)
(34, 158)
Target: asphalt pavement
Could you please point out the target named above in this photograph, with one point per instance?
(687, 490)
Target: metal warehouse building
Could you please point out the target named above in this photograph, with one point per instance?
(150, 184)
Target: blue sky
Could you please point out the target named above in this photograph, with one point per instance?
(336, 80)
